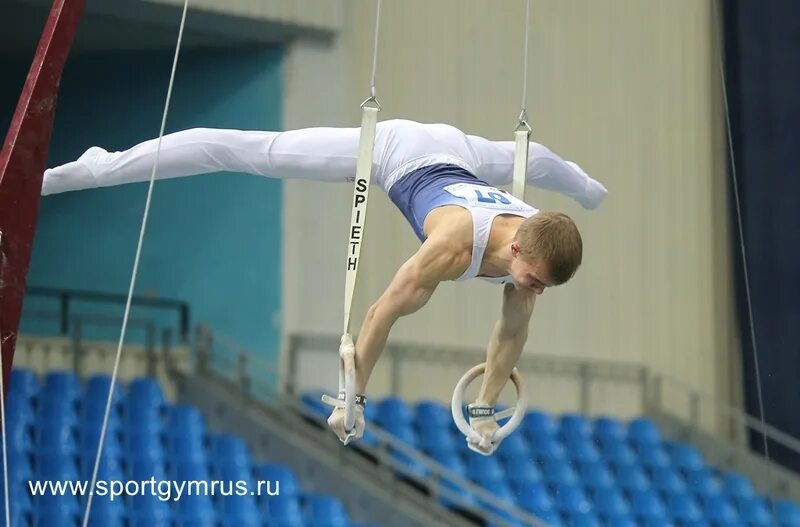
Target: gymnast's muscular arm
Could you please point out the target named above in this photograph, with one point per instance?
(409, 290)
(506, 343)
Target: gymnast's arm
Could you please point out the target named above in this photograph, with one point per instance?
(410, 289)
(506, 343)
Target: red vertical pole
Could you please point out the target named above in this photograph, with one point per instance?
(22, 163)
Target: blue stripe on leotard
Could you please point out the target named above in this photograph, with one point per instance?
(419, 192)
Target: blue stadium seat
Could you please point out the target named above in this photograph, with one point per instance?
(537, 423)
(64, 504)
(572, 426)
(370, 412)
(55, 466)
(146, 507)
(144, 447)
(57, 410)
(668, 481)
(570, 499)
(631, 478)
(431, 414)
(643, 431)
(55, 437)
(435, 439)
(647, 505)
(703, 483)
(402, 432)
(282, 508)
(89, 440)
(144, 392)
(409, 466)
(755, 511)
(313, 401)
(325, 511)
(110, 467)
(522, 470)
(582, 520)
(19, 496)
(618, 454)
(787, 513)
(19, 411)
(23, 382)
(105, 511)
(582, 450)
(544, 447)
(225, 472)
(187, 447)
(96, 389)
(229, 449)
(394, 410)
(684, 508)
(143, 470)
(185, 418)
(608, 429)
(369, 439)
(534, 498)
(20, 440)
(57, 518)
(685, 457)
(502, 493)
(719, 509)
(557, 472)
(289, 487)
(596, 476)
(146, 431)
(621, 521)
(737, 486)
(610, 503)
(189, 471)
(653, 457)
(60, 385)
(484, 467)
(196, 508)
(514, 446)
(238, 510)
(20, 470)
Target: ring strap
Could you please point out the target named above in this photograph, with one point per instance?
(361, 399)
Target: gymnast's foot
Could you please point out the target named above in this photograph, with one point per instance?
(594, 193)
(75, 175)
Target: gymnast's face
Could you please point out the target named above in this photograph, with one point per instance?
(528, 275)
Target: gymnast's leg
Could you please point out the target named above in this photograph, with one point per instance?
(319, 154)
(546, 170)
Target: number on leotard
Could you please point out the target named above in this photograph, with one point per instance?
(492, 197)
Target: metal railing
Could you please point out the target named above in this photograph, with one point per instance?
(66, 298)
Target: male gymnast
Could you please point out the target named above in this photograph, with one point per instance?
(441, 179)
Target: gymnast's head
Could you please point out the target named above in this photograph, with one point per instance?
(546, 251)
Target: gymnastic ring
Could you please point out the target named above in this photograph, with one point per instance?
(517, 413)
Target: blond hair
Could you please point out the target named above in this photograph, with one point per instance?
(554, 238)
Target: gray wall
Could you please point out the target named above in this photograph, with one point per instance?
(628, 89)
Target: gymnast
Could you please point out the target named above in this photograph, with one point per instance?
(444, 183)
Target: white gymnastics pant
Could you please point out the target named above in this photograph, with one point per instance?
(322, 154)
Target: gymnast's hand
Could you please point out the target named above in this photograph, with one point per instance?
(336, 423)
(481, 419)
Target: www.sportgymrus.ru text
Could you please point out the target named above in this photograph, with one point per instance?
(164, 490)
